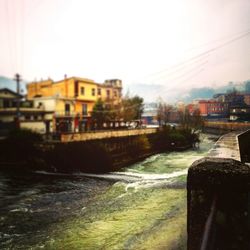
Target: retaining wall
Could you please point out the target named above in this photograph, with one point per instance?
(104, 134)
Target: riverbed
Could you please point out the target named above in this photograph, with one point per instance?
(142, 206)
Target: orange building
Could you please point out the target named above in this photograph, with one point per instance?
(72, 99)
(213, 108)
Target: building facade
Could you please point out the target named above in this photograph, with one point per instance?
(26, 116)
(213, 109)
(240, 113)
(72, 100)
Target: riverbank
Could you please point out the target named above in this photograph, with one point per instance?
(25, 151)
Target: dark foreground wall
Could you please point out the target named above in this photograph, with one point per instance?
(218, 204)
(244, 145)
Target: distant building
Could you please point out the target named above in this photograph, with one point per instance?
(30, 117)
(181, 106)
(191, 108)
(72, 99)
(149, 116)
(239, 113)
(175, 116)
(213, 109)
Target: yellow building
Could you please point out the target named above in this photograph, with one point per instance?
(72, 99)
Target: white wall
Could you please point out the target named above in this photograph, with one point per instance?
(48, 104)
(36, 126)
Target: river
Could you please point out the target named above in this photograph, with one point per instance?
(142, 206)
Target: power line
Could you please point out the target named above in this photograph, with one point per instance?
(204, 53)
(182, 69)
(216, 40)
(194, 72)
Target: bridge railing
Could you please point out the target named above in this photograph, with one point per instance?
(218, 204)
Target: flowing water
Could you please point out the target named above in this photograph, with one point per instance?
(140, 207)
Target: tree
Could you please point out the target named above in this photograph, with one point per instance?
(247, 86)
(166, 113)
(100, 113)
(163, 113)
(197, 121)
(132, 108)
(193, 122)
(159, 115)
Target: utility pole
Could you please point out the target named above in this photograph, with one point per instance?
(17, 79)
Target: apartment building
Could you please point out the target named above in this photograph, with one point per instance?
(72, 99)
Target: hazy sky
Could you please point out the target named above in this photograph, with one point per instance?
(154, 42)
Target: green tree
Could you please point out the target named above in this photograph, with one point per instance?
(100, 113)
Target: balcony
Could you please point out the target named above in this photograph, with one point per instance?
(70, 114)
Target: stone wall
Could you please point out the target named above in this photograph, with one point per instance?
(104, 134)
(226, 126)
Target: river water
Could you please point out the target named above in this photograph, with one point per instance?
(142, 206)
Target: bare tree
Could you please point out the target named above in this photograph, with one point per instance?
(163, 113)
(166, 112)
(188, 121)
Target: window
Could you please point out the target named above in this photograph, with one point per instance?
(99, 92)
(82, 91)
(115, 93)
(67, 109)
(84, 109)
(108, 93)
(93, 92)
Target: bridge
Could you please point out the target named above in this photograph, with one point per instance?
(218, 200)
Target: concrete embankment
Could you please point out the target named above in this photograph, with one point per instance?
(226, 147)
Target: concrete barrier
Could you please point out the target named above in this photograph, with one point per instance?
(218, 204)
